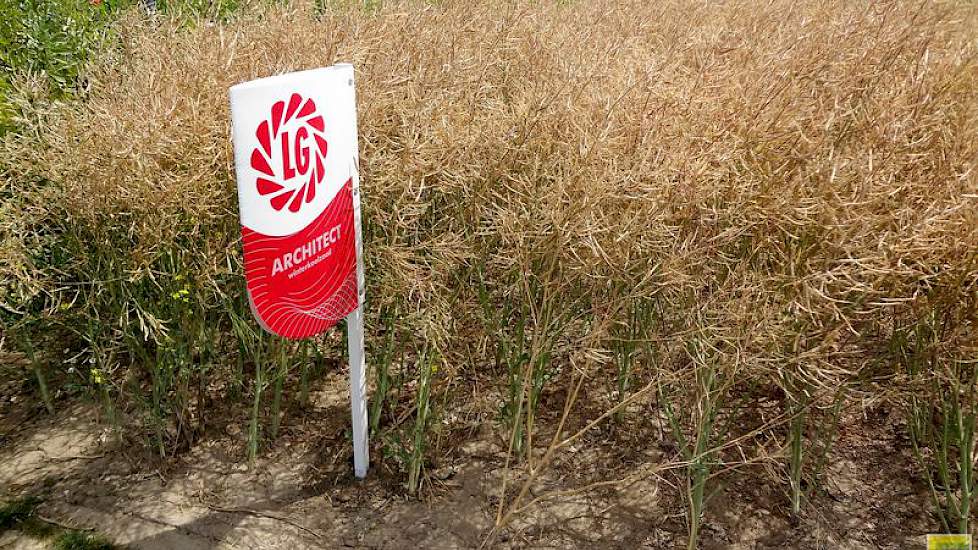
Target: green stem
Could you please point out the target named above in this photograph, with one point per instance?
(43, 386)
(283, 366)
(796, 464)
(304, 384)
(42, 383)
(416, 459)
(966, 471)
(382, 375)
(253, 429)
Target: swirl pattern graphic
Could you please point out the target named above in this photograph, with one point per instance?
(298, 302)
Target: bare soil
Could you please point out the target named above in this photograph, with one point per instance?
(301, 493)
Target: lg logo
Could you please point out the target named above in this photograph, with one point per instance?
(290, 154)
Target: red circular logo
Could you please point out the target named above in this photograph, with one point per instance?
(290, 154)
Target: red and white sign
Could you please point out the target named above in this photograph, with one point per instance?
(295, 149)
(295, 158)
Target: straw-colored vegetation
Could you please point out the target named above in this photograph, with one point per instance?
(669, 211)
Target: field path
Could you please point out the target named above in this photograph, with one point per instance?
(295, 497)
(301, 492)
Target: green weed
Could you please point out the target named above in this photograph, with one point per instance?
(75, 540)
(17, 511)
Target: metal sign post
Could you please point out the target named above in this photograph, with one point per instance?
(354, 339)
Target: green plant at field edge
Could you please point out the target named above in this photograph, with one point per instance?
(76, 540)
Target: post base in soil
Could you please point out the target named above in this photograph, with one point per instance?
(358, 391)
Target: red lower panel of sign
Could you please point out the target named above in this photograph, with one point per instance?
(302, 284)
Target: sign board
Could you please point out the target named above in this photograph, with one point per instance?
(296, 164)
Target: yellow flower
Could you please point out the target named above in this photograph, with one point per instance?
(65, 306)
(97, 376)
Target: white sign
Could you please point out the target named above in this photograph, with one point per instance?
(296, 163)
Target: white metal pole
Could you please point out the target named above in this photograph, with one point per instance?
(354, 338)
(358, 391)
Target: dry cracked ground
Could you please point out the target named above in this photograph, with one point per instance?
(301, 493)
